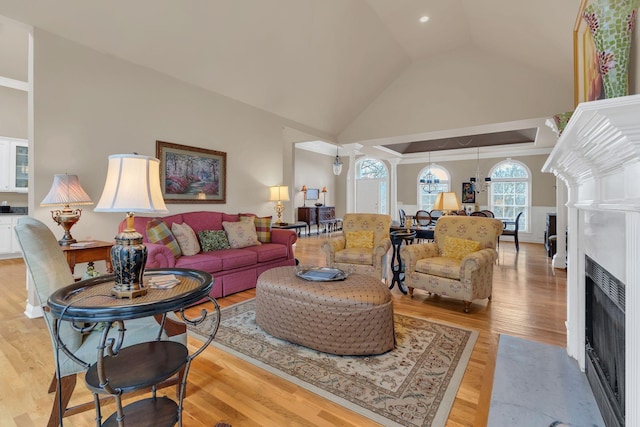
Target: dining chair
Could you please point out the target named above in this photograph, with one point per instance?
(508, 231)
(478, 213)
(435, 214)
(488, 213)
(423, 218)
(402, 215)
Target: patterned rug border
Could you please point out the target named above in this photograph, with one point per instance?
(442, 412)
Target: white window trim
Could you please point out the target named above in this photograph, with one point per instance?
(527, 225)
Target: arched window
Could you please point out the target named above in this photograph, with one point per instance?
(511, 191)
(427, 192)
(371, 186)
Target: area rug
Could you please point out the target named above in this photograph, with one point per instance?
(539, 385)
(413, 385)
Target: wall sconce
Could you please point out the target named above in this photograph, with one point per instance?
(66, 191)
(132, 185)
(279, 194)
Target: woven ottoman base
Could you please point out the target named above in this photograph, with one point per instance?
(349, 317)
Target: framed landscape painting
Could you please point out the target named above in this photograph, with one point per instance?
(192, 174)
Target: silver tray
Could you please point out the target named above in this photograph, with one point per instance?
(321, 274)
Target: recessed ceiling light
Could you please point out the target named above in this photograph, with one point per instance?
(424, 19)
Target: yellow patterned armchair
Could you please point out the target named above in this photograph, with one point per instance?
(459, 263)
(363, 245)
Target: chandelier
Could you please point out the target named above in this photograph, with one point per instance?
(478, 183)
(430, 182)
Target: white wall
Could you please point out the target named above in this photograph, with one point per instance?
(460, 89)
(89, 105)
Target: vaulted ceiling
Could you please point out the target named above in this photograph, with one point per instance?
(316, 62)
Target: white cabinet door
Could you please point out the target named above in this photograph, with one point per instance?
(15, 246)
(6, 229)
(19, 167)
(5, 161)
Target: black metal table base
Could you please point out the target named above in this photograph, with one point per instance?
(397, 267)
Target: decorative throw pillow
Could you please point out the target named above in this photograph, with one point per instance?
(359, 239)
(263, 226)
(213, 240)
(459, 248)
(186, 238)
(158, 232)
(241, 234)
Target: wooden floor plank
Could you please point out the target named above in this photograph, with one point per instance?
(529, 301)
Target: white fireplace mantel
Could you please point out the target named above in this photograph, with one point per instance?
(598, 158)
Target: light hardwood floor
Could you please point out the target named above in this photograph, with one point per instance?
(529, 301)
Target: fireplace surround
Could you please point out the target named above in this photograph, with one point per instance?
(597, 158)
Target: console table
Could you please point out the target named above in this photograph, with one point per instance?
(317, 215)
(140, 366)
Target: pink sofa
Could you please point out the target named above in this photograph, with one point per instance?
(234, 270)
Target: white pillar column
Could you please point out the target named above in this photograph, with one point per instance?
(632, 317)
(351, 182)
(393, 188)
(575, 285)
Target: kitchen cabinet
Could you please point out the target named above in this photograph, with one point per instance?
(8, 240)
(5, 161)
(6, 231)
(14, 165)
(19, 167)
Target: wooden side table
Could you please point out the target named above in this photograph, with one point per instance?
(95, 251)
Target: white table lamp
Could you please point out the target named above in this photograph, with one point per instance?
(132, 185)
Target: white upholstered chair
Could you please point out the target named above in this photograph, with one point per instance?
(49, 270)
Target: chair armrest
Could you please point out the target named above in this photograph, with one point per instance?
(331, 246)
(380, 251)
(476, 260)
(159, 256)
(410, 254)
(383, 247)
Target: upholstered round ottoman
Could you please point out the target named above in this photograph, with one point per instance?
(349, 317)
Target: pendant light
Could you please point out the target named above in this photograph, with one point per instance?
(337, 164)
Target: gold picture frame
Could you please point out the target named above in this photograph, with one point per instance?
(586, 71)
(192, 174)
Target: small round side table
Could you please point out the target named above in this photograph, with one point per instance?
(397, 268)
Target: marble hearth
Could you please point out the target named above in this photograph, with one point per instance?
(598, 159)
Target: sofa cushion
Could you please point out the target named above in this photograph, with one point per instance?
(360, 256)
(359, 239)
(457, 248)
(269, 251)
(241, 234)
(187, 239)
(202, 261)
(439, 266)
(235, 258)
(213, 240)
(159, 232)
